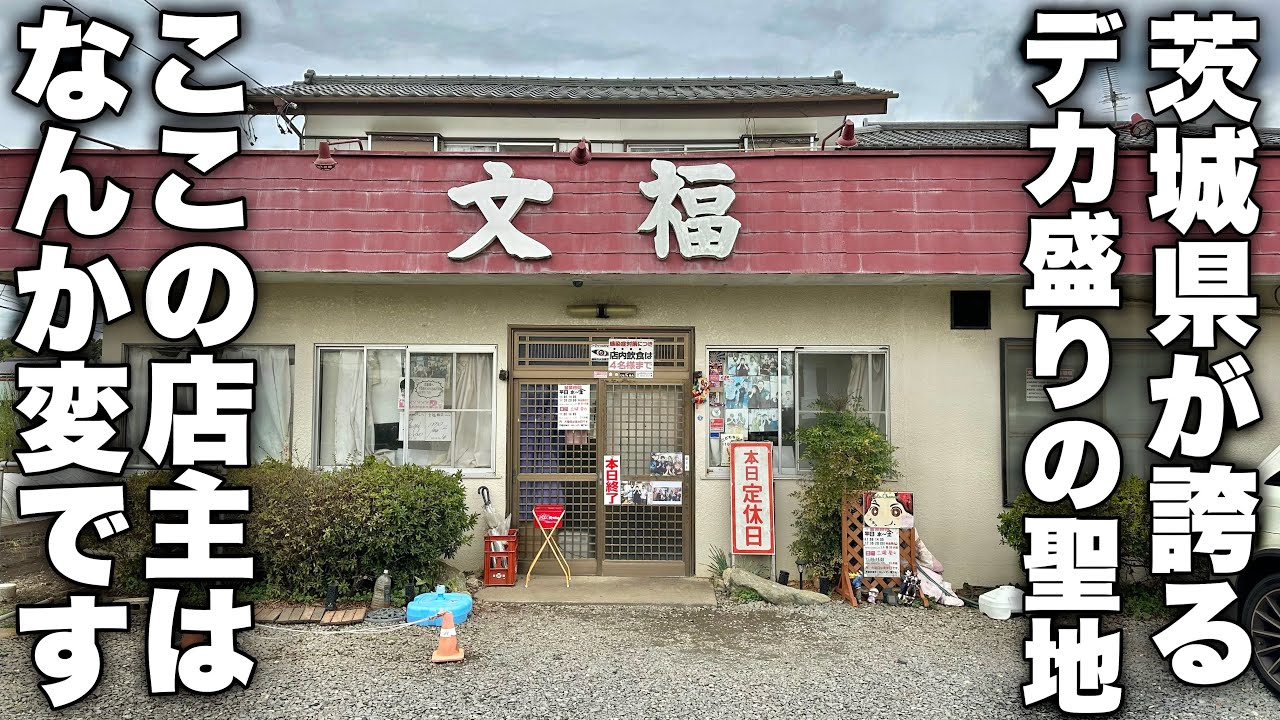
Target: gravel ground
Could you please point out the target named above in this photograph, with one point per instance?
(743, 661)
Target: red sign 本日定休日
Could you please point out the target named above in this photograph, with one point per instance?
(548, 516)
(751, 480)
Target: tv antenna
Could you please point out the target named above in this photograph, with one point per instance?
(1111, 94)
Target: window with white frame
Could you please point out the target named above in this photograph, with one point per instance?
(520, 146)
(779, 142)
(270, 425)
(681, 147)
(765, 393)
(420, 405)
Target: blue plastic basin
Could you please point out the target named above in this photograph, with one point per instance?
(428, 604)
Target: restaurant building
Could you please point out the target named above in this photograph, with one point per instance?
(424, 294)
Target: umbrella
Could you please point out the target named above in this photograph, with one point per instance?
(497, 524)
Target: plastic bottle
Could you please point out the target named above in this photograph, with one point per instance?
(382, 591)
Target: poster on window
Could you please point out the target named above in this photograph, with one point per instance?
(430, 427)
(1036, 386)
(574, 407)
(880, 552)
(425, 394)
(631, 357)
(667, 492)
(666, 464)
(635, 492)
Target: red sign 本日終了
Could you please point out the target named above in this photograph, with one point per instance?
(548, 516)
(751, 481)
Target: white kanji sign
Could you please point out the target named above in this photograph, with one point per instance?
(708, 232)
(514, 192)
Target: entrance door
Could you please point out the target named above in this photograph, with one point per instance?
(646, 528)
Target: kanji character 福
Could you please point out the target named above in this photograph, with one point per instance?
(1183, 641)
(1200, 283)
(218, 429)
(69, 651)
(1084, 661)
(1072, 261)
(1205, 178)
(1072, 564)
(1214, 60)
(206, 668)
(1077, 43)
(515, 192)
(1052, 339)
(196, 265)
(51, 280)
(1185, 385)
(708, 231)
(76, 404)
(1067, 138)
(1072, 436)
(73, 95)
(77, 506)
(1218, 505)
(52, 179)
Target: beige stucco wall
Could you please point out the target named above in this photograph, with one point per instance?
(944, 384)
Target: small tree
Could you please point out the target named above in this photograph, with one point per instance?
(848, 454)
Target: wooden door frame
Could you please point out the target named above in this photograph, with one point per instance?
(685, 378)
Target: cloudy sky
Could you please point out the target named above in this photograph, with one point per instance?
(948, 59)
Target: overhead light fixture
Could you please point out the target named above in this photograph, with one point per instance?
(581, 155)
(847, 138)
(324, 158)
(602, 311)
(1138, 126)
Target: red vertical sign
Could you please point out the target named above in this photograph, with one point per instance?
(751, 481)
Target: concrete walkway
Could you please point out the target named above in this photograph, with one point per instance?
(593, 590)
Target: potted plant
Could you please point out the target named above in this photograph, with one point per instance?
(847, 454)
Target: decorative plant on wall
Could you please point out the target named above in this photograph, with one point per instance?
(847, 454)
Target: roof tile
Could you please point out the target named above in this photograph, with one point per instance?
(585, 89)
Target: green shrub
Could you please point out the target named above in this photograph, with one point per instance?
(308, 528)
(1129, 503)
(719, 562)
(848, 455)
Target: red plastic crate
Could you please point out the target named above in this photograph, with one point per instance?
(500, 565)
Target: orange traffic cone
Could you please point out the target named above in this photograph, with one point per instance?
(447, 650)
